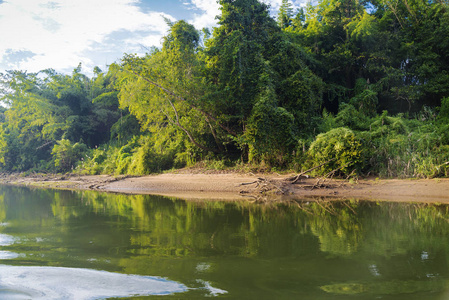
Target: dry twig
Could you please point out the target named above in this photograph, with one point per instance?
(266, 185)
(297, 177)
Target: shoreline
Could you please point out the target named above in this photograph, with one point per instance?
(236, 186)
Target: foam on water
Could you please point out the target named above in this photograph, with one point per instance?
(212, 290)
(18, 282)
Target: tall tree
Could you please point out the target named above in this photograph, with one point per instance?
(285, 14)
(235, 57)
(263, 87)
(167, 88)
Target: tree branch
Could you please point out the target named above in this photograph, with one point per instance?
(177, 123)
(171, 93)
(214, 134)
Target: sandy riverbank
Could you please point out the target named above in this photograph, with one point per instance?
(235, 186)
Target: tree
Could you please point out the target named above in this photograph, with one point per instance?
(260, 77)
(236, 59)
(285, 14)
(167, 88)
(45, 107)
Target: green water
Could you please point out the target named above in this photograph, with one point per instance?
(51, 243)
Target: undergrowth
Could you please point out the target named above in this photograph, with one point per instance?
(350, 143)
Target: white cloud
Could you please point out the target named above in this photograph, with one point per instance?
(210, 9)
(40, 34)
(276, 4)
(59, 32)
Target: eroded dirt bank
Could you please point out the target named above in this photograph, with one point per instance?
(235, 186)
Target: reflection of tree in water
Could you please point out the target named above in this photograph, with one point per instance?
(368, 244)
(176, 227)
(135, 227)
(380, 228)
(402, 246)
(336, 224)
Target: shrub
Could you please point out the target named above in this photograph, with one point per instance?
(66, 154)
(397, 147)
(349, 116)
(341, 147)
(146, 159)
(384, 125)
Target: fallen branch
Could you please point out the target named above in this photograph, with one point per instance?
(248, 183)
(325, 177)
(331, 175)
(265, 185)
(296, 178)
(347, 177)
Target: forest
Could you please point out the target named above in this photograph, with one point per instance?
(359, 86)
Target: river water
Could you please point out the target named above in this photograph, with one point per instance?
(89, 245)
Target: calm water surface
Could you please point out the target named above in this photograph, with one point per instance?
(88, 245)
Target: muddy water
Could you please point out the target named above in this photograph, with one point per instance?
(88, 245)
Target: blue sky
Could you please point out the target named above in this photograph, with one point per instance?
(60, 34)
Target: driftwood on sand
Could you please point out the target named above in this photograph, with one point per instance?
(264, 185)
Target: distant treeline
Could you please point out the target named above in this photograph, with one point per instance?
(362, 85)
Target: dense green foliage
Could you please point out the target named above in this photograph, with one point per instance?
(363, 85)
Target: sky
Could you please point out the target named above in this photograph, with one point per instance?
(59, 34)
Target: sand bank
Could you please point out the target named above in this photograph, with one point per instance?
(233, 186)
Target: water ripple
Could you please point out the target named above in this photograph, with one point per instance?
(18, 282)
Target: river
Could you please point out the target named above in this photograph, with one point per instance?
(91, 245)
